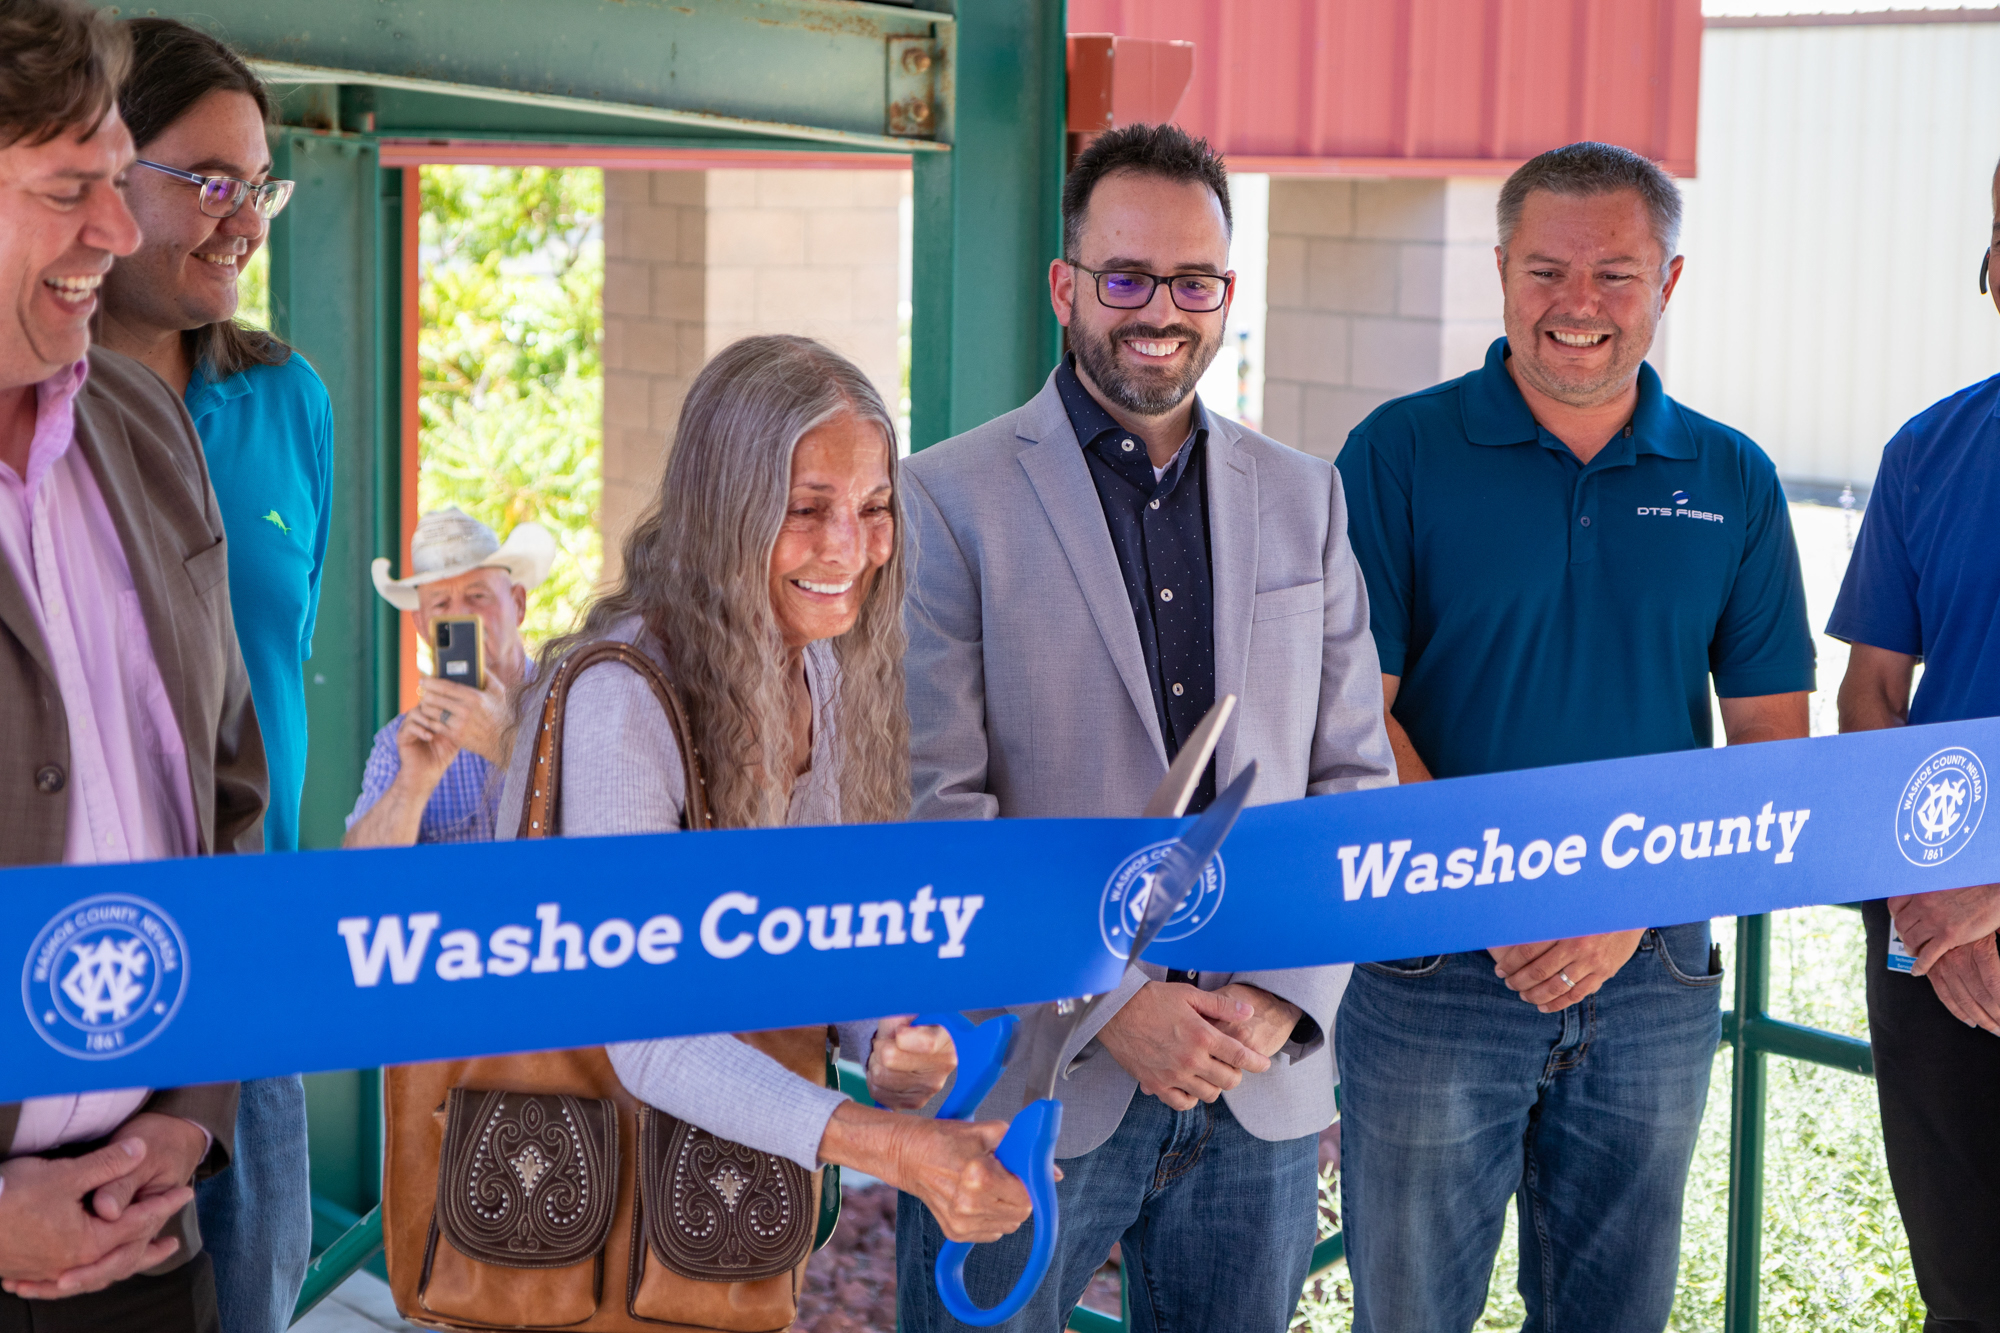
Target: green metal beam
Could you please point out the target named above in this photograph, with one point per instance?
(359, 1243)
(988, 221)
(1794, 1041)
(827, 70)
(1746, 1128)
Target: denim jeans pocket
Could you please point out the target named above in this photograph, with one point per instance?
(1674, 969)
(1407, 968)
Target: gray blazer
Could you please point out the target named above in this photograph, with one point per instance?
(1028, 693)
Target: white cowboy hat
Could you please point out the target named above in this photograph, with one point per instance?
(450, 542)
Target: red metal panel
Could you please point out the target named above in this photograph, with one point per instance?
(619, 157)
(1425, 87)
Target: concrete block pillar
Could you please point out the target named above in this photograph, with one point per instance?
(694, 260)
(1377, 288)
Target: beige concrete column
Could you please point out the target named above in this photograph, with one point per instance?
(1377, 288)
(694, 260)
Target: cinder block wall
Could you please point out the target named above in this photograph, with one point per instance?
(1376, 288)
(694, 260)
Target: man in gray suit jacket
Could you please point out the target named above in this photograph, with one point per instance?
(1092, 572)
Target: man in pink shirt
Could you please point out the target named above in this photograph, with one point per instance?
(123, 696)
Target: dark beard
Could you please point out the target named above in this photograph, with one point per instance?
(1145, 394)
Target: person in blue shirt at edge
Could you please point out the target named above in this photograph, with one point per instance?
(1558, 557)
(431, 774)
(203, 197)
(1922, 586)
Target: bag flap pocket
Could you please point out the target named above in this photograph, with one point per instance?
(1280, 602)
(717, 1211)
(527, 1180)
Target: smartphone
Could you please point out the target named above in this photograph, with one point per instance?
(458, 650)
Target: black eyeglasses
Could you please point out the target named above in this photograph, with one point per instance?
(1196, 293)
(222, 196)
(1984, 256)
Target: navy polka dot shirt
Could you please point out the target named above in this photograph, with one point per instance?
(1159, 528)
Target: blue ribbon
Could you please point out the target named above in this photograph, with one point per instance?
(173, 972)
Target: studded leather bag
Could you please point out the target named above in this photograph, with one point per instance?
(533, 1191)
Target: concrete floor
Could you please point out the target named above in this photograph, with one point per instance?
(359, 1305)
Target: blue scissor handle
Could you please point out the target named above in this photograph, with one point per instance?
(982, 1056)
(1029, 1151)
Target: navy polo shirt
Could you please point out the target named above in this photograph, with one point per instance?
(1159, 528)
(1541, 611)
(268, 436)
(1925, 575)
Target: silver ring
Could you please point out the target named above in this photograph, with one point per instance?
(1564, 978)
(444, 717)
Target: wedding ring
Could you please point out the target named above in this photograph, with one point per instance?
(1564, 978)
(444, 718)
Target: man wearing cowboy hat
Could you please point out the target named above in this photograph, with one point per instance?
(430, 774)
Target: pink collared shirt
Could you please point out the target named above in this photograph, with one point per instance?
(130, 798)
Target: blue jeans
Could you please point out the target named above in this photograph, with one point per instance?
(1457, 1094)
(256, 1217)
(1215, 1229)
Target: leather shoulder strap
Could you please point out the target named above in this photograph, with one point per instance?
(541, 812)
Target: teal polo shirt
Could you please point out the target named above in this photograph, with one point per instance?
(1540, 611)
(268, 437)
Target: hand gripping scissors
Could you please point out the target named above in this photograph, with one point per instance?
(1029, 1148)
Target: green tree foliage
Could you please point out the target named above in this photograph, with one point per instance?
(509, 360)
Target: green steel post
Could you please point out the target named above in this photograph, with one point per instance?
(988, 221)
(325, 293)
(388, 428)
(335, 296)
(1746, 1127)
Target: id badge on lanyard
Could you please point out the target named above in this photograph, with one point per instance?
(1900, 958)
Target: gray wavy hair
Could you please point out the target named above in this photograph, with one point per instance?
(698, 570)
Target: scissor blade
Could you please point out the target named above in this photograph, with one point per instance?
(1177, 875)
(1181, 869)
(1171, 797)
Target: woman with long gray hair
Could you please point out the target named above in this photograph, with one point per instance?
(766, 581)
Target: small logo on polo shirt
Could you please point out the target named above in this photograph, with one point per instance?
(283, 527)
(1682, 507)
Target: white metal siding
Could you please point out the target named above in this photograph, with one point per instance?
(1832, 236)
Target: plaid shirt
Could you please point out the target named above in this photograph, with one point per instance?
(462, 809)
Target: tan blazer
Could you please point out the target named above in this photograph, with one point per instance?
(147, 460)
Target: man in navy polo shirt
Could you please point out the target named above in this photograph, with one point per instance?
(1558, 558)
(1923, 586)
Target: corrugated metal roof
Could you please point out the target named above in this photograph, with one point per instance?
(1425, 87)
(1832, 239)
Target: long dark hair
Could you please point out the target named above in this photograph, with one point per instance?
(173, 67)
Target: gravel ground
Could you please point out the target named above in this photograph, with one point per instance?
(851, 1284)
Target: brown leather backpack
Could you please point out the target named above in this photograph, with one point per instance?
(533, 1191)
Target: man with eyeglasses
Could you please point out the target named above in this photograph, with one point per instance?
(203, 199)
(1093, 571)
(1921, 587)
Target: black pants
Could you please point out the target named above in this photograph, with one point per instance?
(182, 1301)
(1939, 1085)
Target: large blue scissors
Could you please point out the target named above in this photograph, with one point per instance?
(1029, 1148)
